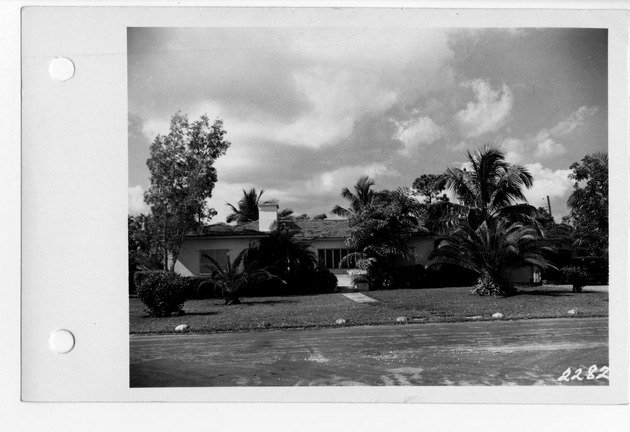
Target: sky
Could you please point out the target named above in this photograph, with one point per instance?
(310, 110)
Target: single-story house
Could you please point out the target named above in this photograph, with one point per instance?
(327, 238)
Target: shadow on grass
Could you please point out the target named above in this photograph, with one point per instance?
(266, 302)
(199, 313)
(548, 293)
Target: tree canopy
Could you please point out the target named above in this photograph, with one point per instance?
(491, 250)
(589, 204)
(183, 176)
(427, 186)
(380, 231)
(247, 207)
(488, 188)
(362, 197)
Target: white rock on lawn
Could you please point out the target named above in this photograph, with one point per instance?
(498, 315)
(401, 319)
(572, 312)
(182, 328)
(341, 321)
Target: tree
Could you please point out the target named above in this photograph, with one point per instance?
(427, 186)
(380, 232)
(589, 204)
(285, 254)
(235, 275)
(321, 216)
(490, 188)
(143, 250)
(492, 250)
(247, 210)
(362, 196)
(143, 238)
(183, 175)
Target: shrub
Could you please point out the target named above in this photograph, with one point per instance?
(319, 281)
(199, 287)
(162, 292)
(408, 276)
(575, 276)
(140, 276)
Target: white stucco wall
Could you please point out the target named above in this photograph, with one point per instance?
(188, 260)
(189, 257)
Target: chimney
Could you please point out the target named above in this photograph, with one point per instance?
(267, 215)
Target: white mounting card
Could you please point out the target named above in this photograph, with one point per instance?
(75, 197)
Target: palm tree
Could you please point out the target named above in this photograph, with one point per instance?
(247, 210)
(491, 251)
(492, 188)
(235, 275)
(362, 196)
(284, 254)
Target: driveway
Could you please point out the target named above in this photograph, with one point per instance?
(526, 352)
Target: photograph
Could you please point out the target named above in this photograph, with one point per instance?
(367, 205)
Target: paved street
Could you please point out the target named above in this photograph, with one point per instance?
(527, 352)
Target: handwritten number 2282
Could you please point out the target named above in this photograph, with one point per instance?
(591, 374)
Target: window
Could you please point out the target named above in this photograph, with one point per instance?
(219, 255)
(331, 258)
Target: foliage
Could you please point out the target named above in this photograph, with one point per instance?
(589, 204)
(143, 249)
(247, 210)
(361, 198)
(320, 216)
(183, 175)
(236, 274)
(489, 188)
(427, 186)
(198, 287)
(411, 276)
(575, 276)
(285, 255)
(380, 232)
(161, 291)
(491, 251)
(286, 214)
(318, 281)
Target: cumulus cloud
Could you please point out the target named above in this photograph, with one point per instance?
(545, 144)
(547, 182)
(334, 181)
(575, 120)
(488, 112)
(135, 201)
(514, 149)
(309, 86)
(416, 133)
(549, 148)
(315, 195)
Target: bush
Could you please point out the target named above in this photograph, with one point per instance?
(318, 281)
(199, 287)
(575, 276)
(448, 275)
(161, 291)
(408, 276)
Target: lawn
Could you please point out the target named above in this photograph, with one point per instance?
(417, 305)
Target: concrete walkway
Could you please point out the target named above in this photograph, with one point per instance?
(360, 298)
(526, 352)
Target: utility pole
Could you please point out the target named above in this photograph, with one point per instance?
(549, 206)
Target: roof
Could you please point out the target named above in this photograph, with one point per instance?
(314, 229)
(310, 229)
(249, 229)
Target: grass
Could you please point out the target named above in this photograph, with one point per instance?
(418, 305)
